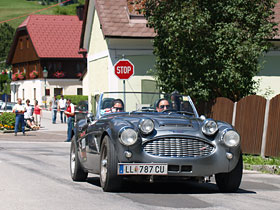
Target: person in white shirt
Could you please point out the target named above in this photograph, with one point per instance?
(19, 110)
(62, 108)
(28, 115)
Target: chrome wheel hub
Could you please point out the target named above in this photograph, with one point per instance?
(103, 172)
(73, 160)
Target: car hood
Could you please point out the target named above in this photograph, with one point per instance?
(162, 121)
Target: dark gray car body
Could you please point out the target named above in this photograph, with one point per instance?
(188, 151)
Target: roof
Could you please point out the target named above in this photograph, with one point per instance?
(117, 21)
(54, 36)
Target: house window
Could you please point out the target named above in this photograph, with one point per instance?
(23, 94)
(27, 42)
(58, 91)
(79, 91)
(47, 93)
(20, 44)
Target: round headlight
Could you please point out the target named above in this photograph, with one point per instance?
(209, 127)
(128, 136)
(146, 126)
(231, 138)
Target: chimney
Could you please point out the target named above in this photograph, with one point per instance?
(80, 12)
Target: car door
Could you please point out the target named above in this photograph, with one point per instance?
(81, 129)
(94, 132)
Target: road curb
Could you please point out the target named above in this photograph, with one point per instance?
(272, 169)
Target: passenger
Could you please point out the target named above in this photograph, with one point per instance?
(175, 101)
(162, 105)
(118, 106)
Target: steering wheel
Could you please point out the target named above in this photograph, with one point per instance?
(168, 111)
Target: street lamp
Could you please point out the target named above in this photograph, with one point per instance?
(45, 75)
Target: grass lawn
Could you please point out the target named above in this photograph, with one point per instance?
(258, 160)
(266, 165)
(13, 8)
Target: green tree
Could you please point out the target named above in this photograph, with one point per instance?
(69, 9)
(208, 48)
(6, 38)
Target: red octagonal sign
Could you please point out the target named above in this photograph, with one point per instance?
(124, 69)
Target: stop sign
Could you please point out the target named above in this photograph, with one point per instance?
(124, 69)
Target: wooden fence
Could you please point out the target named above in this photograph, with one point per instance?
(256, 119)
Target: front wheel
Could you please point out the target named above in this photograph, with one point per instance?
(76, 170)
(109, 180)
(230, 182)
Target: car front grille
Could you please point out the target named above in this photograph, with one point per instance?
(178, 147)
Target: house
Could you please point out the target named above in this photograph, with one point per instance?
(113, 30)
(49, 42)
(269, 76)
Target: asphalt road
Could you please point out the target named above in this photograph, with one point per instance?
(34, 174)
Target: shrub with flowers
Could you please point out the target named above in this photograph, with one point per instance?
(4, 72)
(59, 74)
(7, 121)
(21, 75)
(34, 74)
(3, 76)
(15, 76)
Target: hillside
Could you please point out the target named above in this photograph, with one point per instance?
(14, 8)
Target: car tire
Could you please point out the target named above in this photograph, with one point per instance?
(230, 182)
(76, 170)
(109, 180)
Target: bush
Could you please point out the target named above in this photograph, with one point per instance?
(75, 99)
(7, 120)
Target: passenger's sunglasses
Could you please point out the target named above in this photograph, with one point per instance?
(162, 106)
(118, 108)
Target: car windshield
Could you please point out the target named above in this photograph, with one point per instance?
(112, 102)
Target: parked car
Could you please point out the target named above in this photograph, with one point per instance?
(6, 107)
(140, 143)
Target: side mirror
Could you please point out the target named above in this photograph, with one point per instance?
(202, 117)
(90, 117)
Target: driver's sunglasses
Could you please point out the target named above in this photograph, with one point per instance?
(118, 108)
(162, 106)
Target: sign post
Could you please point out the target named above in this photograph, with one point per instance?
(124, 69)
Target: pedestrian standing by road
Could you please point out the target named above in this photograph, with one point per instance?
(62, 107)
(37, 114)
(70, 112)
(54, 109)
(19, 110)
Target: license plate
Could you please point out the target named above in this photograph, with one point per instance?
(142, 169)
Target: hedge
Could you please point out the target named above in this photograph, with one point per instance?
(75, 99)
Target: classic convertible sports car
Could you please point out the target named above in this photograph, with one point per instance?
(154, 137)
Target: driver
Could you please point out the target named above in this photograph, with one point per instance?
(117, 106)
(162, 105)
